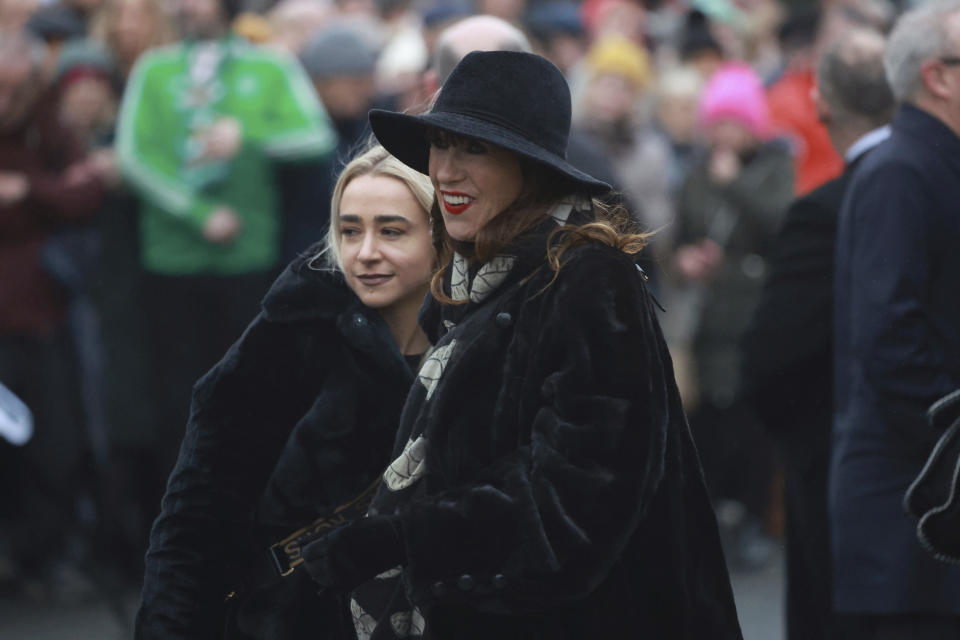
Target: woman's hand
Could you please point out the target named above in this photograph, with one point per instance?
(355, 552)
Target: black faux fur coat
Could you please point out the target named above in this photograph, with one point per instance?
(297, 418)
(545, 484)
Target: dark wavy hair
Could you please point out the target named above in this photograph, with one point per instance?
(542, 189)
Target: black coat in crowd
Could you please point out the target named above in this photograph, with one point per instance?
(897, 350)
(788, 378)
(545, 484)
(298, 418)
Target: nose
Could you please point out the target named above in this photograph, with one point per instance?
(445, 166)
(369, 248)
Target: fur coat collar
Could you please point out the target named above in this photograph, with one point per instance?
(544, 483)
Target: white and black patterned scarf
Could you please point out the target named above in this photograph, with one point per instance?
(380, 608)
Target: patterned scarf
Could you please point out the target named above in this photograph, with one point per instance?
(394, 617)
(201, 93)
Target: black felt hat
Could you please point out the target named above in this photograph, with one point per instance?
(518, 101)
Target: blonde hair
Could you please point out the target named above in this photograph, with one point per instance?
(376, 161)
(617, 55)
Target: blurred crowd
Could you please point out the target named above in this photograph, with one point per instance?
(135, 245)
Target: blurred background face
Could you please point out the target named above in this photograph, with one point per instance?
(360, 7)
(706, 62)
(132, 29)
(677, 115)
(86, 6)
(14, 13)
(346, 97)
(86, 104)
(610, 99)
(200, 18)
(627, 19)
(294, 21)
(509, 10)
(732, 135)
(566, 50)
(18, 91)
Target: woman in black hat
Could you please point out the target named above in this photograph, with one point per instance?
(544, 482)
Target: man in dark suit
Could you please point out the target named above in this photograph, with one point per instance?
(897, 338)
(787, 351)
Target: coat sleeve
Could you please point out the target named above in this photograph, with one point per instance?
(146, 154)
(791, 330)
(242, 413)
(296, 125)
(59, 198)
(891, 330)
(762, 192)
(544, 524)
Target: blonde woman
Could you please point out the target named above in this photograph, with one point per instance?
(296, 421)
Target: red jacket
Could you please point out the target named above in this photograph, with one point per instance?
(30, 302)
(795, 116)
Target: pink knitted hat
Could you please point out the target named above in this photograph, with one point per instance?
(735, 92)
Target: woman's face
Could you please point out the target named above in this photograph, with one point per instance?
(475, 181)
(86, 104)
(731, 135)
(385, 244)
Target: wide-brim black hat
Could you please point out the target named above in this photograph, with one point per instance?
(518, 101)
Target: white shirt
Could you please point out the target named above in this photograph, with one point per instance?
(866, 142)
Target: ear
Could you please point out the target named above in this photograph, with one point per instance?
(934, 79)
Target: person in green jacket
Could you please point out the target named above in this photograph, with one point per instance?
(202, 125)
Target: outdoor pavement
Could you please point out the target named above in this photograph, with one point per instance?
(759, 601)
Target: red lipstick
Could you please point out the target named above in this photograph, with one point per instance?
(461, 202)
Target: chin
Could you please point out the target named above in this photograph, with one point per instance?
(375, 301)
(459, 231)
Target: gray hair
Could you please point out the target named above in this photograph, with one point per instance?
(918, 36)
(851, 78)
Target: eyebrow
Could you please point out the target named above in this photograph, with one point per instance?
(380, 219)
(441, 135)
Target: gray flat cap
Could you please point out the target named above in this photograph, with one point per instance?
(339, 50)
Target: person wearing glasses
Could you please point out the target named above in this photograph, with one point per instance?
(897, 338)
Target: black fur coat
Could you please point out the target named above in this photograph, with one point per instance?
(545, 484)
(297, 418)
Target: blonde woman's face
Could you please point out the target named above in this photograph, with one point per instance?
(385, 245)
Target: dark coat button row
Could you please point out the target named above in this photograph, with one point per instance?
(467, 582)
